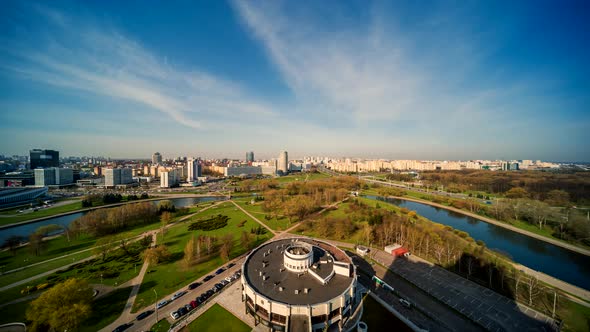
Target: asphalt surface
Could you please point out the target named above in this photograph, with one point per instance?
(482, 306)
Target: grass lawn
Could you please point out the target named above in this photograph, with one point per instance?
(217, 319)
(106, 309)
(256, 211)
(9, 217)
(168, 277)
(161, 326)
(14, 313)
(576, 317)
(301, 177)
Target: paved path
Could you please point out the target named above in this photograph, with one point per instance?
(136, 283)
(255, 219)
(501, 224)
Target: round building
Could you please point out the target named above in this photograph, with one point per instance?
(300, 284)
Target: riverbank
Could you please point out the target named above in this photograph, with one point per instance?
(161, 197)
(499, 223)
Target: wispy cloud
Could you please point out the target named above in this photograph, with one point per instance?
(372, 73)
(99, 60)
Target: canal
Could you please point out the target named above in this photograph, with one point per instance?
(26, 229)
(558, 262)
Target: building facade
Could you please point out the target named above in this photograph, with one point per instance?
(156, 158)
(194, 170)
(54, 176)
(44, 158)
(250, 156)
(117, 176)
(169, 178)
(283, 162)
(300, 284)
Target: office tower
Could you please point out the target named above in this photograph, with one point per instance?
(194, 170)
(156, 158)
(250, 156)
(54, 176)
(283, 162)
(116, 176)
(44, 158)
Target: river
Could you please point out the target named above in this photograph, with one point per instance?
(26, 229)
(558, 262)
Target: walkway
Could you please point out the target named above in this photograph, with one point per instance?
(255, 219)
(501, 224)
(136, 283)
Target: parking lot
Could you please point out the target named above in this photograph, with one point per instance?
(490, 310)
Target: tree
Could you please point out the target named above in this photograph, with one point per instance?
(63, 307)
(533, 286)
(165, 219)
(12, 243)
(517, 192)
(189, 252)
(246, 240)
(156, 255)
(36, 243)
(558, 198)
(227, 243)
(166, 205)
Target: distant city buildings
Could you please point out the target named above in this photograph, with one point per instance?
(283, 162)
(156, 158)
(194, 170)
(250, 157)
(117, 176)
(170, 178)
(53, 176)
(43, 158)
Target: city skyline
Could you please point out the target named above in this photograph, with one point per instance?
(394, 81)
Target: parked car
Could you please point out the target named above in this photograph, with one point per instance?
(219, 271)
(177, 295)
(405, 303)
(194, 304)
(209, 293)
(162, 304)
(194, 285)
(182, 311)
(207, 278)
(175, 315)
(188, 307)
(231, 265)
(123, 327)
(224, 282)
(144, 314)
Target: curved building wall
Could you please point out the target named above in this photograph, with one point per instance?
(278, 314)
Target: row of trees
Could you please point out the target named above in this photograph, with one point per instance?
(98, 199)
(443, 245)
(109, 221)
(537, 184)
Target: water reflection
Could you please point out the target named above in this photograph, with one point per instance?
(26, 229)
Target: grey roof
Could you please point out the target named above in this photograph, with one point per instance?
(291, 281)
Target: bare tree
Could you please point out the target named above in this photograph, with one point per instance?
(470, 265)
(534, 289)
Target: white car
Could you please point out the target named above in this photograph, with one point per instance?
(177, 295)
(162, 303)
(174, 314)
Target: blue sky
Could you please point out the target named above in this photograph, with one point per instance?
(400, 80)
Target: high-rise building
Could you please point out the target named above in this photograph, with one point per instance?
(117, 176)
(169, 178)
(250, 156)
(44, 158)
(54, 176)
(283, 162)
(156, 158)
(194, 170)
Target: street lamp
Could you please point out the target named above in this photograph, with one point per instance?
(156, 305)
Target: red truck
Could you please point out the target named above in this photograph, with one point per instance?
(397, 250)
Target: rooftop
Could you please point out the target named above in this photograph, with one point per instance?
(279, 284)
